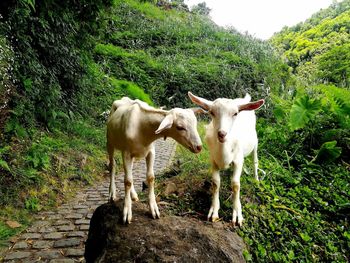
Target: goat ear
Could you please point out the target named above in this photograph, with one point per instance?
(251, 105)
(198, 110)
(166, 123)
(203, 103)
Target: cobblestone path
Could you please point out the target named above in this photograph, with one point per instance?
(59, 236)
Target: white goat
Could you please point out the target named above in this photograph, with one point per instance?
(230, 136)
(132, 127)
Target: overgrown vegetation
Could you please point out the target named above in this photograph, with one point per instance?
(318, 49)
(45, 169)
(169, 52)
(62, 63)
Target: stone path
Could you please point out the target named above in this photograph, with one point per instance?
(59, 236)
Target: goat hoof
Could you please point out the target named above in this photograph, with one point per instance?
(135, 198)
(154, 211)
(215, 219)
(156, 216)
(237, 224)
(126, 220)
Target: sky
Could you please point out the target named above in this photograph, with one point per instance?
(261, 18)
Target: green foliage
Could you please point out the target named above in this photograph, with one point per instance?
(303, 111)
(51, 163)
(131, 90)
(3, 163)
(6, 59)
(70, 52)
(48, 38)
(30, 4)
(5, 233)
(328, 152)
(169, 52)
(298, 214)
(318, 49)
(6, 76)
(37, 157)
(32, 204)
(334, 65)
(317, 115)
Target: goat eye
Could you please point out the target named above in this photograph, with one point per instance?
(180, 128)
(212, 113)
(235, 114)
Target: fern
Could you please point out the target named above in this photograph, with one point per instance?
(303, 111)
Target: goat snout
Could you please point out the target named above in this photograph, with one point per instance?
(195, 148)
(221, 136)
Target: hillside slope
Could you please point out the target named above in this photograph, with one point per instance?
(318, 49)
(168, 52)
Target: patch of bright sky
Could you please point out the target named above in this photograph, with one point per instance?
(261, 18)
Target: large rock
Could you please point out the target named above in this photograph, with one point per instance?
(168, 239)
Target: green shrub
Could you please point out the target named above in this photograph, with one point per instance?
(131, 90)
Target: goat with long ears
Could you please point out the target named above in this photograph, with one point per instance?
(231, 136)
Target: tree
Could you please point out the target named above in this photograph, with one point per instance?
(201, 9)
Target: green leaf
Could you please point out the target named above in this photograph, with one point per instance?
(303, 111)
(262, 251)
(4, 165)
(328, 152)
(291, 255)
(347, 235)
(247, 256)
(305, 237)
(4, 149)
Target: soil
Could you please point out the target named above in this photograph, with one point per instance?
(168, 239)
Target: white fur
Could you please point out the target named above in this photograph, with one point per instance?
(231, 136)
(132, 127)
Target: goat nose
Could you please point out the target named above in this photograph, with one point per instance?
(222, 134)
(199, 148)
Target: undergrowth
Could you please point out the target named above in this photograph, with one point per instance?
(43, 169)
